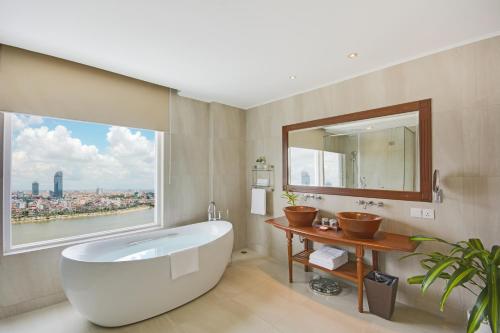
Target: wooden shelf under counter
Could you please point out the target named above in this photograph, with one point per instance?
(347, 271)
(352, 271)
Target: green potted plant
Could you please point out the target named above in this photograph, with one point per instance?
(468, 265)
(291, 198)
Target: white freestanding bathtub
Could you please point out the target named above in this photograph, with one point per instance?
(124, 280)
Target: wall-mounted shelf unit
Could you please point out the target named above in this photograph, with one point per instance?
(263, 176)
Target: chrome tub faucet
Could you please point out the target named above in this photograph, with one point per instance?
(212, 211)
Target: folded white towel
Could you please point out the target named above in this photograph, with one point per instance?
(327, 252)
(328, 264)
(329, 257)
(262, 182)
(184, 262)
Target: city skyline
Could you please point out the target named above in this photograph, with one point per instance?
(88, 190)
(89, 155)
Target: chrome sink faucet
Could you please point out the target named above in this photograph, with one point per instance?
(311, 196)
(370, 203)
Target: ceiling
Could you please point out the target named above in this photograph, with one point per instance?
(241, 52)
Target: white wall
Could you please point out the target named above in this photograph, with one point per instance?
(464, 84)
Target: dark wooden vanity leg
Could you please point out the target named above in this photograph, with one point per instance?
(374, 260)
(359, 272)
(289, 237)
(307, 247)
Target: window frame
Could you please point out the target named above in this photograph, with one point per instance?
(319, 166)
(8, 248)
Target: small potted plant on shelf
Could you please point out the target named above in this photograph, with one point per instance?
(298, 216)
(261, 162)
(468, 265)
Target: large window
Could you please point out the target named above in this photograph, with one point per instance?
(69, 180)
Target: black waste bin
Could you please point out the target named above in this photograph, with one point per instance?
(381, 292)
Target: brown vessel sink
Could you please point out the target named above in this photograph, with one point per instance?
(358, 225)
(300, 216)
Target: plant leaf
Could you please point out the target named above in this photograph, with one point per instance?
(495, 254)
(471, 253)
(413, 254)
(482, 255)
(478, 311)
(418, 238)
(493, 307)
(415, 279)
(437, 255)
(476, 243)
(456, 250)
(432, 260)
(435, 271)
(424, 262)
(459, 277)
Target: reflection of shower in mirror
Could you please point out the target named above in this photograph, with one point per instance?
(354, 154)
(363, 182)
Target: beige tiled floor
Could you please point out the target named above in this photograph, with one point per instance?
(253, 296)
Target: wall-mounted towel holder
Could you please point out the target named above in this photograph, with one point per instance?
(263, 177)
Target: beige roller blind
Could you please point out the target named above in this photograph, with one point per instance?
(309, 138)
(43, 85)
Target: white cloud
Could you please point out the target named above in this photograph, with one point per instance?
(126, 163)
(20, 121)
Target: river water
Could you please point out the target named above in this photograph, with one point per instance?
(35, 232)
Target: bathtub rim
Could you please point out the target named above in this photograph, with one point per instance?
(65, 254)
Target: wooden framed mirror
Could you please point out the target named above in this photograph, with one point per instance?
(379, 153)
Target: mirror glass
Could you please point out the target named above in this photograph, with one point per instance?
(376, 153)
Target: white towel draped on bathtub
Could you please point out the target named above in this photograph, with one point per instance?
(184, 262)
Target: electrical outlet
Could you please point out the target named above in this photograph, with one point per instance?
(416, 212)
(428, 213)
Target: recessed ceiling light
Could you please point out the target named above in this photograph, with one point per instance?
(352, 55)
(292, 77)
(369, 128)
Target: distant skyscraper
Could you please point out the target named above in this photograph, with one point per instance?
(305, 178)
(35, 188)
(58, 184)
(99, 190)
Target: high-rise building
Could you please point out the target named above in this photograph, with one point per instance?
(305, 178)
(58, 184)
(35, 188)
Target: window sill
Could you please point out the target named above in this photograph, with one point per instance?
(63, 242)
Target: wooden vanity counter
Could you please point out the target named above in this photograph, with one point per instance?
(353, 271)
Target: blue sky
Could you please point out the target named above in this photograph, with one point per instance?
(43, 146)
(89, 133)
